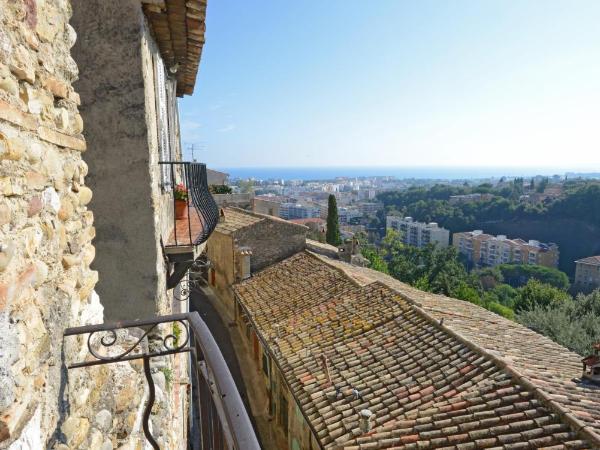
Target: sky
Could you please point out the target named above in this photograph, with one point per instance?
(397, 83)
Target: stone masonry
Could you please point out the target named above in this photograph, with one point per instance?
(46, 230)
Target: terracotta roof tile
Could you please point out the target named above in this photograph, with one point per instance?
(594, 260)
(235, 220)
(469, 383)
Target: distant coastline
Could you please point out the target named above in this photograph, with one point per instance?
(431, 173)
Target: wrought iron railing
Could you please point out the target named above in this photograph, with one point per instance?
(202, 212)
(218, 418)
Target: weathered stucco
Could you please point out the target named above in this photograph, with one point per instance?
(118, 104)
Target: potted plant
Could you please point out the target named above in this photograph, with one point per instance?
(181, 201)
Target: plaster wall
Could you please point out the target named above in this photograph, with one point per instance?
(117, 93)
(220, 253)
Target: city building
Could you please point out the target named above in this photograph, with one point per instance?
(314, 224)
(367, 194)
(267, 205)
(487, 250)
(465, 198)
(214, 177)
(587, 273)
(370, 209)
(418, 234)
(298, 211)
(93, 252)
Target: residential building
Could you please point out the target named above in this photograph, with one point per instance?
(316, 225)
(370, 209)
(89, 232)
(418, 234)
(245, 242)
(298, 211)
(351, 358)
(587, 273)
(466, 198)
(267, 205)
(487, 250)
(134, 149)
(367, 194)
(347, 216)
(214, 177)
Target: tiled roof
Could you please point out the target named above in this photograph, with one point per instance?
(475, 381)
(595, 260)
(179, 27)
(237, 219)
(307, 220)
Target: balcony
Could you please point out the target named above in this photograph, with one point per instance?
(195, 215)
(217, 418)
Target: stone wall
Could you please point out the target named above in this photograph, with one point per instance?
(243, 201)
(220, 252)
(271, 241)
(45, 226)
(262, 206)
(46, 229)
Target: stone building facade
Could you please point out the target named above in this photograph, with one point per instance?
(244, 243)
(129, 132)
(47, 226)
(587, 274)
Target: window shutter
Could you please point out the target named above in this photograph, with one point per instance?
(162, 121)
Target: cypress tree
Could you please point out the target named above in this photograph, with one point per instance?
(333, 226)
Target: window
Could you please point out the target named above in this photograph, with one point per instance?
(162, 86)
(265, 364)
(283, 412)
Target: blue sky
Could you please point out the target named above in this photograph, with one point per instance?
(398, 83)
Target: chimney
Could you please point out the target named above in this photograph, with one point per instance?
(349, 249)
(243, 256)
(364, 421)
(591, 365)
(221, 215)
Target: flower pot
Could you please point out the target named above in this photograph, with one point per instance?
(181, 209)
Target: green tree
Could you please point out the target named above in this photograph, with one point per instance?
(519, 274)
(502, 294)
(333, 226)
(375, 259)
(541, 187)
(574, 324)
(246, 186)
(219, 189)
(537, 294)
(501, 310)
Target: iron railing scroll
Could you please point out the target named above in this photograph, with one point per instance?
(218, 418)
(203, 212)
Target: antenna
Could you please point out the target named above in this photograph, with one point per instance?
(193, 147)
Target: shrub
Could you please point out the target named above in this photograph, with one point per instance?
(501, 310)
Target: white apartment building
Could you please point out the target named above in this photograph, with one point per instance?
(418, 234)
(298, 211)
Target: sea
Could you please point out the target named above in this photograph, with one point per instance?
(431, 173)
